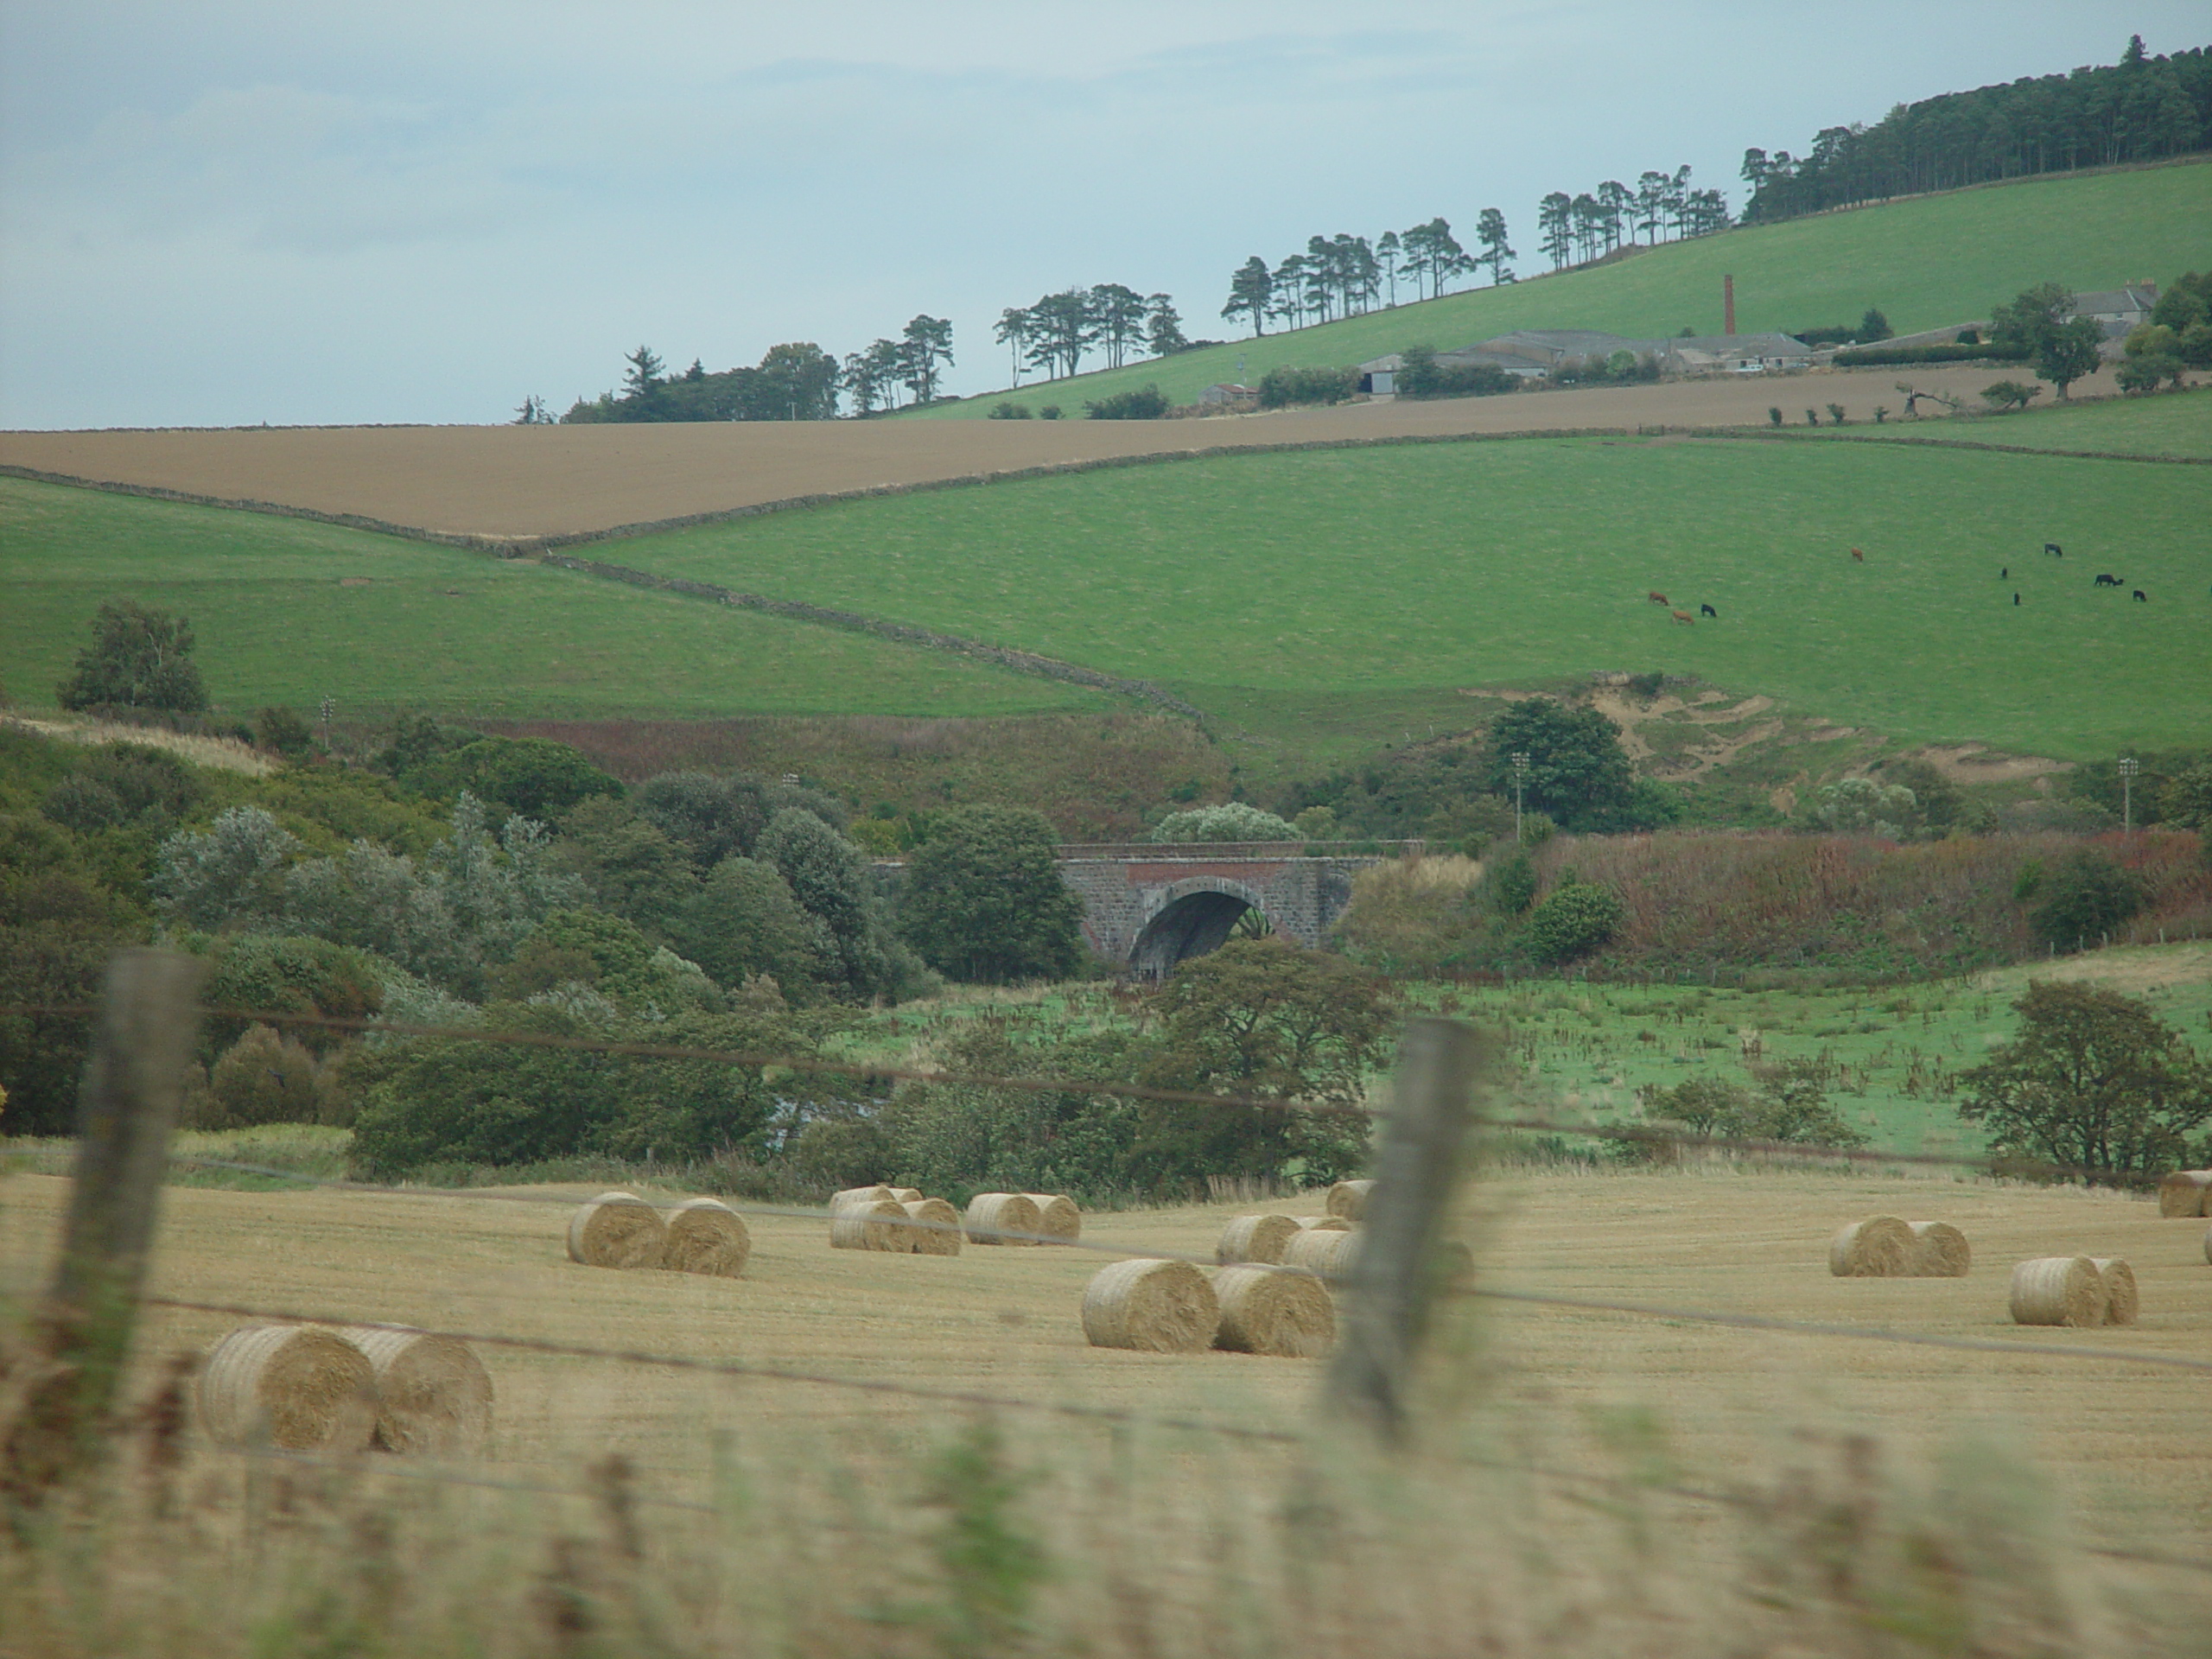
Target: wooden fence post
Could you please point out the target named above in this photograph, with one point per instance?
(1416, 1172)
(126, 1110)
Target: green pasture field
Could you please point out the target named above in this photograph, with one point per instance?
(2169, 423)
(436, 628)
(1926, 262)
(1389, 572)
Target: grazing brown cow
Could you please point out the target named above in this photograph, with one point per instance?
(1684, 616)
(1656, 597)
(1857, 556)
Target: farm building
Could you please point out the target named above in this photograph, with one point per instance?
(2117, 310)
(1221, 394)
(1734, 354)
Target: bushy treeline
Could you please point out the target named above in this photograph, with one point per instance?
(796, 382)
(460, 878)
(2139, 109)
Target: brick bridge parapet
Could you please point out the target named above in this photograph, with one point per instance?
(1148, 905)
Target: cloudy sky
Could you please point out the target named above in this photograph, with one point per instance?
(223, 213)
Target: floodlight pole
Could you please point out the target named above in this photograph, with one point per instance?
(2129, 767)
(1520, 776)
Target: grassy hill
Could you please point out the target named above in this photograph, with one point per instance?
(1388, 577)
(286, 611)
(1925, 261)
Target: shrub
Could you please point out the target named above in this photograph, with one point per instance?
(1282, 388)
(1774, 415)
(1007, 410)
(261, 1079)
(1513, 885)
(2086, 898)
(1146, 404)
(1419, 375)
(1836, 414)
(1049, 412)
(1576, 919)
(280, 729)
(281, 974)
(2009, 394)
(1231, 821)
(1873, 356)
(1790, 1105)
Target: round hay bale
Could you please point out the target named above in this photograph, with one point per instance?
(1272, 1311)
(905, 1194)
(992, 1214)
(880, 1225)
(2121, 1302)
(1349, 1199)
(1940, 1250)
(1322, 1224)
(706, 1235)
(1160, 1308)
(859, 1195)
(2058, 1290)
(617, 1229)
(1329, 1254)
(299, 1388)
(1057, 1218)
(1880, 1246)
(1255, 1238)
(941, 1236)
(2186, 1192)
(433, 1393)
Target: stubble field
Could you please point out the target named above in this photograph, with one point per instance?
(2123, 1442)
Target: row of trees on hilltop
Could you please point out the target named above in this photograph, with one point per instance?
(1344, 276)
(1662, 206)
(1054, 335)
(2139, 109)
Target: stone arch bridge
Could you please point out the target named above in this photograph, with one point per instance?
(1150, 906)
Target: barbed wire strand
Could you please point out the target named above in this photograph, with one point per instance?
(1813, 1328)
(1656, 1136)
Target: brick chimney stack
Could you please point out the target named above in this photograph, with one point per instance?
(1728, 305)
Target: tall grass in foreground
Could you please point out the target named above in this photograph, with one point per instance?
(983, 1535)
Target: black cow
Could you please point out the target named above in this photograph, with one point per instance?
(2140, 595)
(2006, 575)
(1708, 610)
(2104, 581)
(2016, 599)
(2055, 549)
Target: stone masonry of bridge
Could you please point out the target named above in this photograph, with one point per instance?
(1151, 906)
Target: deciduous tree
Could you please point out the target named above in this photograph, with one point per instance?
(984, 901)
(139, 658)
(2095, 1081)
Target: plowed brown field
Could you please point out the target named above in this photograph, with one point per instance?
(513, 481)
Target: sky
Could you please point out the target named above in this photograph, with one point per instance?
(220, 214)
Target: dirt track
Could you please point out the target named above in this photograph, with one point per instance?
(523, 481)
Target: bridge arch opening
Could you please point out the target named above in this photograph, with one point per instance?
(1199, 917)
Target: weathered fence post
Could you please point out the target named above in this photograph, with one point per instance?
(1416, 1172)
(126, 1109)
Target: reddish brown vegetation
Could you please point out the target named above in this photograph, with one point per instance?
(1865, 904)
(1092, 776)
